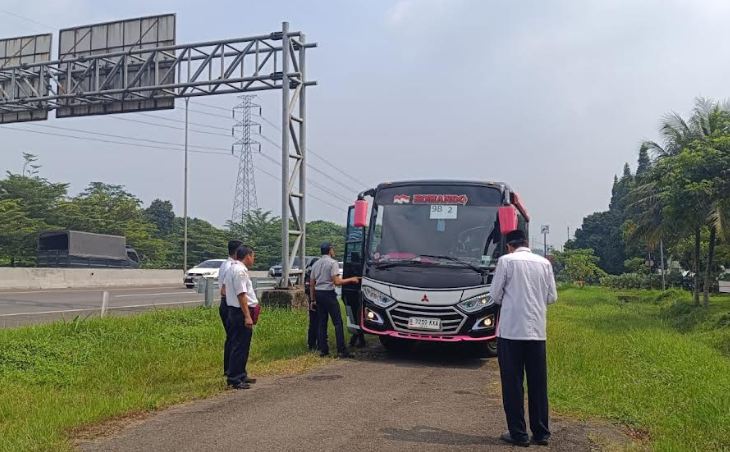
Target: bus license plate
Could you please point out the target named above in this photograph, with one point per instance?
(418, 323)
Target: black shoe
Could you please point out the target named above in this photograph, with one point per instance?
(541, 442)
(241, 385)
(344, 354)
(324, 354)
(506, 437)
(249, 380)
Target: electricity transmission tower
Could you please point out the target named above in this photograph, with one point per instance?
(245, 198)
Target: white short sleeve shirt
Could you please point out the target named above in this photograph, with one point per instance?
(237, 281)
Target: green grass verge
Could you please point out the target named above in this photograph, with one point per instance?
(59, 377)
(648, 360)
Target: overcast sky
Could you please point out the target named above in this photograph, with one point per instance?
(551, 97)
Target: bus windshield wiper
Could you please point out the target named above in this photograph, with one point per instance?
(394, 263)
(466, 264)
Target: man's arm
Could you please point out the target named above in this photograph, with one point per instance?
(243, 301)
(552, 293)
(341, 282)
(239, 283)
(498, 281)
(312, 283)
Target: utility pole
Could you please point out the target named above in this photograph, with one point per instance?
(185, 194)
(244, 200)
(661, 253)
(545, 230)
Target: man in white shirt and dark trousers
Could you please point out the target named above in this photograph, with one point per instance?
(524, 285)
(223, 308)
(322, 281)
(242, 302)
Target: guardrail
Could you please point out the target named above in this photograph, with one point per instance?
(210, 287)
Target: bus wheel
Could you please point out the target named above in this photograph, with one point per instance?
(491, 348)
(392, 344)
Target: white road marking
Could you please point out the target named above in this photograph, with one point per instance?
(97, 309)
(100, 289)
(148, 294)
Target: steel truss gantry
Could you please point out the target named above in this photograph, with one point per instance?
(150, 78)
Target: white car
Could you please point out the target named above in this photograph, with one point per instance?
(207, 268)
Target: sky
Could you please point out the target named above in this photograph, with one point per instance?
(551, 97)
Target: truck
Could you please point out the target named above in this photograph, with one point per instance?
(426, 252)
(76, 249)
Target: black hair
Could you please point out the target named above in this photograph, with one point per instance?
(243, 251)
(233, 246)
(325, 248)
(516, 238)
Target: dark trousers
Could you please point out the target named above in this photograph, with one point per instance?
(517, 358)
(313, 331)
(240, 345)
(328, 306)
(223, 311)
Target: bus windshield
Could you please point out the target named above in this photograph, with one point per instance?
(448, 229)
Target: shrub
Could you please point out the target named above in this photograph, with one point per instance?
(632, 281)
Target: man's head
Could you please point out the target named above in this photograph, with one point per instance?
(246, 254)
(233, 245)
(327, 249)
(516, 239)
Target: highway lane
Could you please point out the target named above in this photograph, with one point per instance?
(37, 306)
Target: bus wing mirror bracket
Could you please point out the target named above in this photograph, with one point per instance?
(361, 213)
(507, 219)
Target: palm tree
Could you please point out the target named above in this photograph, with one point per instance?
(710, 119)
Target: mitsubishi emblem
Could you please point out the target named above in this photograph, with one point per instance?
(425, 298)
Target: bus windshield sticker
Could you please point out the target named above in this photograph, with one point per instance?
(440, 199)
(443, 212)
(441, 226)
(402, 199)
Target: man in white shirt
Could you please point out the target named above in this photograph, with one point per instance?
(242, 302)
(223, 308)
(524, 285)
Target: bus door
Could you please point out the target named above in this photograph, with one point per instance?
(352, 265)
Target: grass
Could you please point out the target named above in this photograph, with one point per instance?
(648, 360)
(59, 377)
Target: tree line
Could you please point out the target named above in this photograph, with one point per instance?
(678, 199)
(31, 204)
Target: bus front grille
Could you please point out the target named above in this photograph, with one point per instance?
(451, 319)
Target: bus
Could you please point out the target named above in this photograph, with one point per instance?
(426, 252)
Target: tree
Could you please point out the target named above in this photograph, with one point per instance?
(18, 232)
(644, 162)
(579, 266)
(29, 169)
(161, 214)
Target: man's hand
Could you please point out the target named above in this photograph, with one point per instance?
(248, 322)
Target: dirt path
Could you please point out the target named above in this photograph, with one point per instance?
(434, 400)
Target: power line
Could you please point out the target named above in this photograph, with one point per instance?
(146, 146)
(26, 19)
(272, 142)
(278, 129)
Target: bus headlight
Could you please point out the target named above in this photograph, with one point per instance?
(374, 317)
(475, 304)
(485, 323)
(377, 297)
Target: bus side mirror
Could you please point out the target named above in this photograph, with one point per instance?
(507, 219)
(361, 213)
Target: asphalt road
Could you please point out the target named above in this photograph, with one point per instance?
(37, 306)
(432, 400)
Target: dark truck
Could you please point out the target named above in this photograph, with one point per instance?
(75, 249)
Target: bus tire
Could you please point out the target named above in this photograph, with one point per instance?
(490, 348)
(392, 344)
